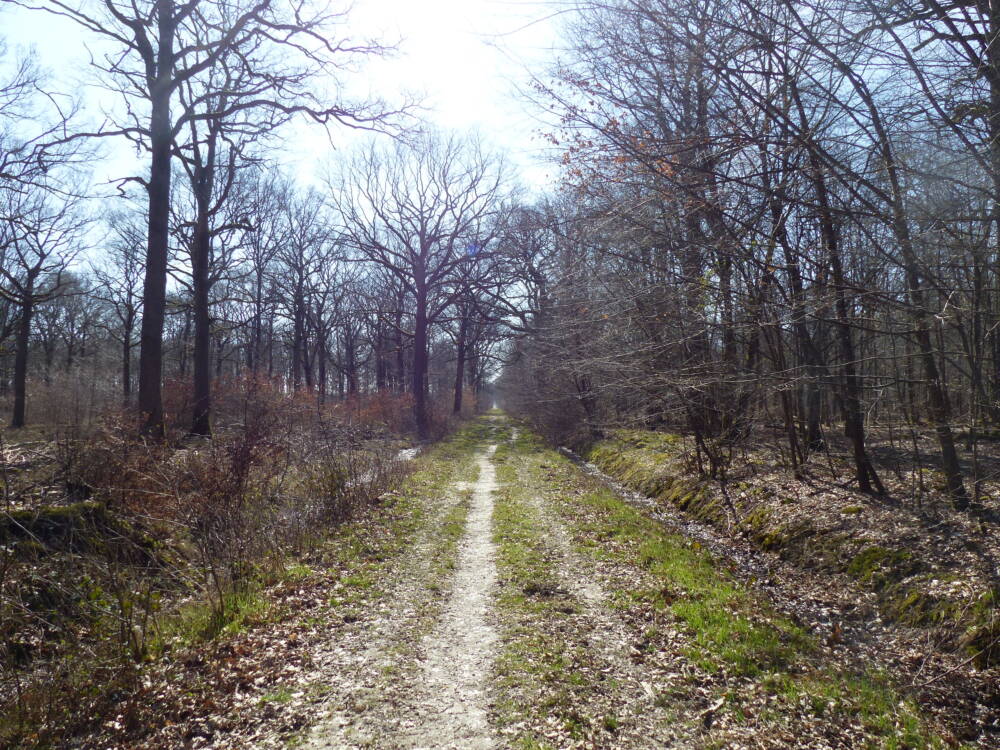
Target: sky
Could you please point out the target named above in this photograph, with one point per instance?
(466, 57)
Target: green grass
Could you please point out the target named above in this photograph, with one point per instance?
(729, 628)
(296, 571)
(716, 611)
(280, 695)
(200, 621)
(548, 674)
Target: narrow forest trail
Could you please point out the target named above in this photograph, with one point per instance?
(421, 680)
(514, 601)
(458, 655)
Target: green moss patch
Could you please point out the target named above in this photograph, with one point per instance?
(651, 463)
(734, 634)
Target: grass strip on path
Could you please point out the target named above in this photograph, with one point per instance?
(721, 661)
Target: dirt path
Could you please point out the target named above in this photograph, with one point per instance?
(503, 598)
(459, 653)
(418, 677)
(368, 671)
(532, 608)
(570, 674)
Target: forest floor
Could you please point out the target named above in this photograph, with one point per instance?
(504, 597)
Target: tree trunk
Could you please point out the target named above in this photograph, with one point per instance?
(459, 367)
(854, 426)
(21, 361)
(993, 75)
(850, 396)
(420, 367)
(380, 363)
(298, 341)
(321, 358)
(400, 355)
(155, 282)
(350, 362)
(127, 364)
(220, 356)
(270, 347)
(813, 360)
(201, 357)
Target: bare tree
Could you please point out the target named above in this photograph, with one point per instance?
(159, 47)
(119, 284)
(39, 237)
(423, 212)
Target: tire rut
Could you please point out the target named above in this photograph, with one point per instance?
(374, 701)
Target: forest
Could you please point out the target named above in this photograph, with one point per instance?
(714, 412)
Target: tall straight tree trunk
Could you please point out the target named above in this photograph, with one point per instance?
(127, 364)
(155, 283)
(380, 363)
(854, 425)
(49, 349)
(307, 359)
(400, 356)
(850, 392)
(351, 362)
(321, 357)
(270, 347)
(220, 356)
(298, 340)
(257, 326)
(813, 360)
(475, 376)
(203, 179)
(993, 75)
(201, 356)
(420, 366)
(937, 392)
(21, 360)
(460, 366)
(939, 408)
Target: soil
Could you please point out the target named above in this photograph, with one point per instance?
(458, 655)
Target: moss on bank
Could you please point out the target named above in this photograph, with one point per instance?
(652, 463)
(731, 633)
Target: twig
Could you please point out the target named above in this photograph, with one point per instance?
(963, 663)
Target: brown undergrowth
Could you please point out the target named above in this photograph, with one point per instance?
(116, 552)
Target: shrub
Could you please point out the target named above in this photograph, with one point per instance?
(166, 526)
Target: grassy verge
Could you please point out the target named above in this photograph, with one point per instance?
(759, 674)
(911, 590)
